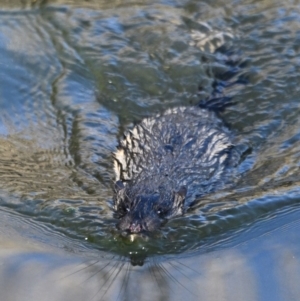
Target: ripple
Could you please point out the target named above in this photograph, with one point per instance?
(76, 77)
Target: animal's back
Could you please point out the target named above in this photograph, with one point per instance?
(184, 146)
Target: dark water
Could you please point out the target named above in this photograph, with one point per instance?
(73, 77)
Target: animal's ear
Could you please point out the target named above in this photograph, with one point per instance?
(180, 196)
(119, 185)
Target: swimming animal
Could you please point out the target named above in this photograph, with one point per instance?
(167, 161)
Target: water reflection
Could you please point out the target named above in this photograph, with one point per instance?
(264, 266)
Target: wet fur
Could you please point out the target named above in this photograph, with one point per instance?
(167, 161)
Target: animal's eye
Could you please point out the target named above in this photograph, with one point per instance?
(123, 208)
(161, 212)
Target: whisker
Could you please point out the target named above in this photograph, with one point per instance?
(152, 273)
(86, 267)
(114, 267)
(112, 281)
(172, 264)
(126, 279)
(102, 268)
(168, 274)
(186, 266)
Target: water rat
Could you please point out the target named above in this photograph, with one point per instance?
(167, 161)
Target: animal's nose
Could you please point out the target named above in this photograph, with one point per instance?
(135, 228)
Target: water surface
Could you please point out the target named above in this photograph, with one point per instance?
(75, 76)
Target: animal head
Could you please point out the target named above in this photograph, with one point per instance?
(145, 212)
